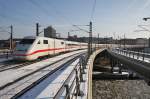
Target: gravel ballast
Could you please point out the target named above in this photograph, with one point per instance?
(120, 89)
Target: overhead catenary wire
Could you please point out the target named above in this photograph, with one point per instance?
(44, 10)
(143, 28)
(12, 18)
(47, 13)
(39, 7)
(81, 29)
(63, 17)
(4, 29)
(58, 13)
(93, 10)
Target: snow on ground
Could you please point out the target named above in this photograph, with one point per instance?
(11, 75)
(50, 86)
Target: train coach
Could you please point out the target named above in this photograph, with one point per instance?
(31, 48)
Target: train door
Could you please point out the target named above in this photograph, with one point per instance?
(49, 46)
(46, 47)
(54, 46)
(62, 46)
(65, 46)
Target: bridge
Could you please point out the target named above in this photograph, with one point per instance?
(70, 75)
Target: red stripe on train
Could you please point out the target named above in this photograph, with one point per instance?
(39, 51)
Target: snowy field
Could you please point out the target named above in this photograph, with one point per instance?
(50, 86)
(11, 75)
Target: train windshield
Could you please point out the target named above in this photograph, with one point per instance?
(26, 41)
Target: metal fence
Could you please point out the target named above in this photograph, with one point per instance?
(71, 86)
(133, 54)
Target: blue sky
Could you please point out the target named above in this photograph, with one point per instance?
(111, 17)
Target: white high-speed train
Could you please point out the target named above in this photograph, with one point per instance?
(31, 48)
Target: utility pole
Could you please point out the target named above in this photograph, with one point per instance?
(106, 41)
(145, 19)
(119, 41)
(11, 37)
(37, 29)
(68, 35)
(90, 39)
(98, 40)
(124, 41)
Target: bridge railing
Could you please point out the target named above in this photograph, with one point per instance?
(133, 54)
(71, 87)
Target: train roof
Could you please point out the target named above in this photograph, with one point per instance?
(37, 37)
(29, 37)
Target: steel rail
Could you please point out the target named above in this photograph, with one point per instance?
(8, 67)
(59, 93)
(20, 78)
(30, 74)
(24, 64)
(64, 65)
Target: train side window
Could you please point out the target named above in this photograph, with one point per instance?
(38, 42)
(62, 43)
(45, 41)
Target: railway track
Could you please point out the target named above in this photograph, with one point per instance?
(27, 69)
(21, 85)
(8, 66)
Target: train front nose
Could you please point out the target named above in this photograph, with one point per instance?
(21, 52)
(19, 55)
(23, 47)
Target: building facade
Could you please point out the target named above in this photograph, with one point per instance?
(50, 32)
